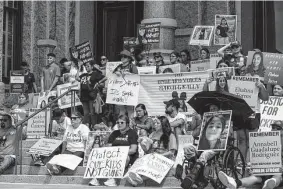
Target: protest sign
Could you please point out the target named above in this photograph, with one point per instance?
(173, 68)
(149, 33)
(156, 89)
(45, 146)
(182, 141)
(69, 161)
(265, 153)
(44, 98)
(215, 126)
(123, 89)
(225, 29)
(107, 162)
(38, 125)
(82, 52)
(246, 88)
(130, 43)
(200, 65)
(110, 67)
(147, 70)
(202, 35)
(66, 101)
(220, 79)
(17, 81)
(271, 110)
(96, 139)
(214, 59)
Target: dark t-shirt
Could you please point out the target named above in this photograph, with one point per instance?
(88, 80)
(29, 80)
(223, 30)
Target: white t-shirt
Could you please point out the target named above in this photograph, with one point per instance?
(178, 116)
(76, 138)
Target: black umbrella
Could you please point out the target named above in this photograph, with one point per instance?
(226, 101)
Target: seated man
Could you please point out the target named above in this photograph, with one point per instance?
(270, 182)
(7, 142)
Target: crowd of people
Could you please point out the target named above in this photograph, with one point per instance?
(152, 135)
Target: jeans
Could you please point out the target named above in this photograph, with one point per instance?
(89, 115)
(190, 151)
(6, 161)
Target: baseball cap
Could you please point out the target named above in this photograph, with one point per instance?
(173, 102)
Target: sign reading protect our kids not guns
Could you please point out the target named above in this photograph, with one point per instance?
(159, 88)
(107, 162)
(271, 110)
(265, 153)
(17, 83)
(123, 89)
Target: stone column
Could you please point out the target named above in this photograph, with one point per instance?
(2, 85)
(163, 12)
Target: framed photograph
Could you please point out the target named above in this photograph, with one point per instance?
(225, 29)
(201, 35)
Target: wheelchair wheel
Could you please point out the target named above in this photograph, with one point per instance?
(234, 163)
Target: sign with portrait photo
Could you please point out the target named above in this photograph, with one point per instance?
(215, 131)
(225, 29)
(66, 101)
(173, 68)
(82, 52)
(149, 33)
(45, 97)
(221, 79)
(202, 35)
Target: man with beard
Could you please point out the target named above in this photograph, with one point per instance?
(176, 119)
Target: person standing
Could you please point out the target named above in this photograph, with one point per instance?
(30, 86)
(186, 58)
(127, 65)
(103, 62)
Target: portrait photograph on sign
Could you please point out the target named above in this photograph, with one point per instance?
(255, 66)
(201, 35)
(225, 29)
(215, 130)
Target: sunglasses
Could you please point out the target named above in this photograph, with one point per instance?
(3, 120)
(103, 59)
(122, 122)
(157, 57)
(124, 56)
(72, 118)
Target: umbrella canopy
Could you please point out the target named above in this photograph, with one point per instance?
(224, 100)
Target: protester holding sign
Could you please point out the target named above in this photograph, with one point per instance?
(127, 66)
(174, 57)
(70, 73)
(158, 61)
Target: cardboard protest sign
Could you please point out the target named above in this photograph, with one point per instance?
(271, 110)
(123, 89)
(110, 67)
(107, 162)
(96, 139)
(45, 146)
(245, 88)
(265, 153)
(44, 98)
(69, 161)
(66, 101)
(182, 141)
(156, 89)
(17, 81)
(202, 35)
(82, 52)
(149, 33)
(200, 65)
(38, 125)
(153, 166)
(214, 59)
(225, 29)
(147, 70)
(215, 126)
(173, 68)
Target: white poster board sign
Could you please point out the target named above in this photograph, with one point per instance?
(45, 146)
(183, 140)
(147, 70)
(69, 161)
(38, 124)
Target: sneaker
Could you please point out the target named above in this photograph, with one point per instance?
(136, 177)
(52, 169)
(227, 181)
(94, 182)
(269, 184)
(110, 182)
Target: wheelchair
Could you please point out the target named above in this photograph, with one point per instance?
(231, 161)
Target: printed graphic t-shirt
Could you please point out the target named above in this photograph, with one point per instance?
(76, 138)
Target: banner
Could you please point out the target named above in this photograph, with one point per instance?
(65, 101)
(69, 161)
(149, 33)
(201, 35)
(38, 124)
(245, 88)
(17, 81)
(182, 141)
(271, 110)
(147, 70)
(123, 90)
(110, 67)
(45, 146)
(173, 68)
(156, 89)
(265, 153)
(83, 52)
(215, 127)
(200, 65)
(107, 162)
(153, 166)
(44, 98)
(96, 139)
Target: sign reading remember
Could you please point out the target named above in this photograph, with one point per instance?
(107, 162)
(265, 153)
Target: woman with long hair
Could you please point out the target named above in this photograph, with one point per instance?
(204, 54)
(174, 56)
(256, 68)
(186, 58)
(277, 90)
(223, 29)
(221, 84)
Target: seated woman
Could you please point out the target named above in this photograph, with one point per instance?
(270, 182)
(74, 141)
(124, 136)
(163, 142)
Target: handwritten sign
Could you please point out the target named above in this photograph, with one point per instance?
(38, 124)
(69, 161)
(151, 32)
(107, 162)
(200, 65)
(45, 146)
(271, 110)
(182, 141)
(83, 52)
(147, 70)
(17, 81)
(66, 101)
(265, 153)
(123, 90)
